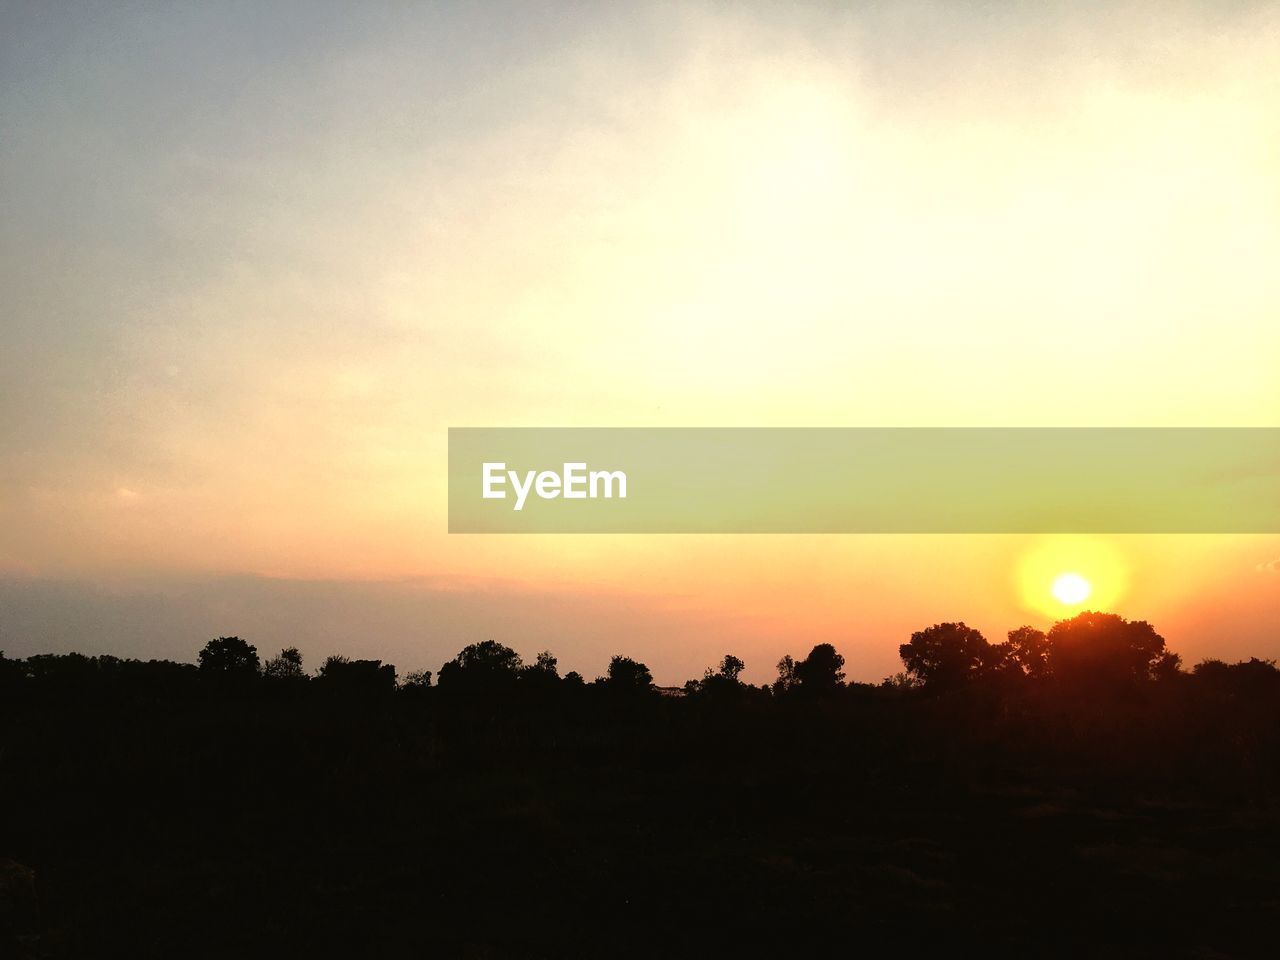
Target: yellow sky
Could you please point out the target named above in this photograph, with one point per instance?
(251, 282)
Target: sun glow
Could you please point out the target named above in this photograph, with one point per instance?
(1060, 574)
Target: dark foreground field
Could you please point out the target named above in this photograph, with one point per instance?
(179, 819)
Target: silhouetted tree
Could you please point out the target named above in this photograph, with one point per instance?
(64, 672)
(947, 654)
(416, 686)
(900, 681)
(416, 680)
(786, 675)
(543, 673)
(1029, 649)
(286, 665)
(723, 681)
(821, 671)
(229, 658)
(628, 676)
(11, 676)
(482, 667)
(1248, 678)
(362, 677)
(730, 668)
(1103, 648)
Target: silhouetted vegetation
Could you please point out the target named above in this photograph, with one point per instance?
(1073, 792)
(229, 659)
(286, 665)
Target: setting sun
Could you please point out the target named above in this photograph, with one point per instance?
(1065, 571)
(1071, 589)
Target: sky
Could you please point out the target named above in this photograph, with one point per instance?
(255, 259)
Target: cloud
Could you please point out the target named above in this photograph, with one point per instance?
(1270, 567)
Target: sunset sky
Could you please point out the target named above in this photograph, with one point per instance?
(255, 259)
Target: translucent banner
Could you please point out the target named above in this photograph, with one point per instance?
(864, 480)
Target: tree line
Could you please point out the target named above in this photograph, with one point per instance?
(1090, 651)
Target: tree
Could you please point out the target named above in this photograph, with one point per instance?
(730, 668)
(1029, 649)
(1248, 678)
(416, 681)
(362, 677)
(481, 667)
(947, 654)
(723, 681)
(628, 676)
(821, 671)
(900, 681)
(11, 676)
(286, 665)
(229, 658)
(786, 675)
(1104, 648)
(543, 675)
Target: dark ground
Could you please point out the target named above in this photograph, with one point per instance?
(174, 820)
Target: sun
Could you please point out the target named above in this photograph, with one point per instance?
(1057, 575)
(1071, 589)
